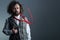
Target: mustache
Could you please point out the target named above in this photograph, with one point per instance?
(15, 13)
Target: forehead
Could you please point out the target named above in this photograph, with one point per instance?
(17, 5)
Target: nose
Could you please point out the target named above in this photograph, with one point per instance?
(16, 9)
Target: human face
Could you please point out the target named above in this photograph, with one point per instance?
(16, 9)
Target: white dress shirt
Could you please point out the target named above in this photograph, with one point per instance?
(18, 17)
(27, 27)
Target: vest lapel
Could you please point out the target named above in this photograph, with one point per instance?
(13, 21)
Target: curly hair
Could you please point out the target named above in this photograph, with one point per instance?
(11, 5)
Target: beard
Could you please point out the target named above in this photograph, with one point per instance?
(16, 13)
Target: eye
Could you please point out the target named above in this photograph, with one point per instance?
(17, 7)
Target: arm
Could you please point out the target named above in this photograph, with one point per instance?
(28, 30)
(6, 28)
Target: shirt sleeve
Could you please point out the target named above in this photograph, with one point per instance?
(28, 30)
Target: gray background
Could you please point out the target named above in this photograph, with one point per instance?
(46, 18)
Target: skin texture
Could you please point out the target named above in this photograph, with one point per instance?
(16, 9)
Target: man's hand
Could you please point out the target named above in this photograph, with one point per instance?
(15, 30)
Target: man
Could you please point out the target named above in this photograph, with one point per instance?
(17, 25)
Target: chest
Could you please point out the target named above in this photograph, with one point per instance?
(16, 23)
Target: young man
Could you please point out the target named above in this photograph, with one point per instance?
(17, 25)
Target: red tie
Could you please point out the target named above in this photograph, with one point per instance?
(23, 20)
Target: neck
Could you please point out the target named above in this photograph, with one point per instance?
(16, 15)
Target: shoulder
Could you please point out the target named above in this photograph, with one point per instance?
(25, 18)
(9, 18)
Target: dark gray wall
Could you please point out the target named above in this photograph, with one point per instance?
(46, 18)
